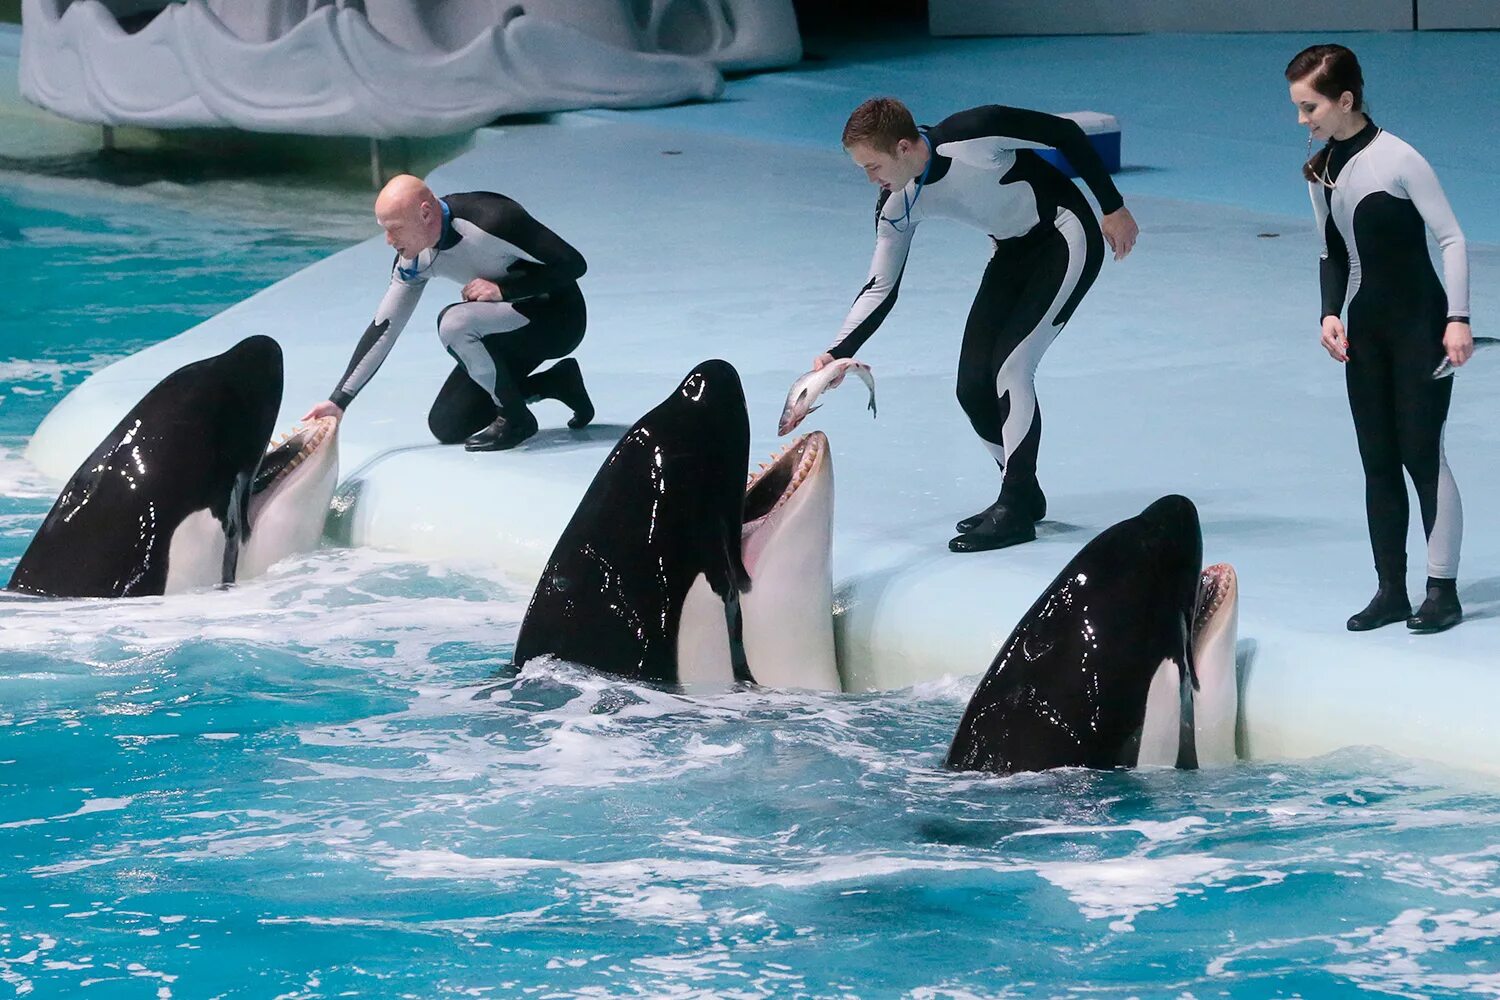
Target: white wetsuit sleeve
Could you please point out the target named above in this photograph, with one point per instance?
(1333, 259)
(390, 318)
(1421, 186)
(878, 295)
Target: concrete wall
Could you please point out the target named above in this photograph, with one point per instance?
(1448, 14)
(1075, 17)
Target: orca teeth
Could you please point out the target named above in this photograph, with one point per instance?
(1216, 585)
(811, 448)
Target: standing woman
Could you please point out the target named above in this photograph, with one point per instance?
(1373, 197)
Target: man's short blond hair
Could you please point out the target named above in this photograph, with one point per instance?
(880, 122)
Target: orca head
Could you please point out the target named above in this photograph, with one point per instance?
(236, 395)
(789, 501)
(229, 402)
(162, 502)
(1215, 661)
(1153, 562)
(705, 416)
(787, 547)
(1171, 537)
(290, 495)
(647, 573)
(1216, 607)
(1094, 673)
(701, 433)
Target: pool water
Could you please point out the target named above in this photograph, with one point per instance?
(328, 781)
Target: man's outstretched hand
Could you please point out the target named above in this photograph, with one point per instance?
(327, 408)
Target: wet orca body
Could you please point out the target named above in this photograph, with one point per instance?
(657, 532)
(1102, 671)
(171, 498)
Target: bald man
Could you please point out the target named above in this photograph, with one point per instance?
(520, 306)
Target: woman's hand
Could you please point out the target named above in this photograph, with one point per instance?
(1335, 339)
(1458, 341)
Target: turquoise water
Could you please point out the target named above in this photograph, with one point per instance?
(327, 782)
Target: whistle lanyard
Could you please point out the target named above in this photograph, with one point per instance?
(417, 270)
(911, 203)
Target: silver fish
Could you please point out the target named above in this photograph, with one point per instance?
(799, 401)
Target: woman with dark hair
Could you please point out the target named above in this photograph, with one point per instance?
(1373, 197)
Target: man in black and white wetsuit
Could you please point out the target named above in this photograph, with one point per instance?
(520, 306)
(1374, 198)
(980, 167)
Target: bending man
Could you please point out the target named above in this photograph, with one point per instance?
(520, 306)
(979, 167)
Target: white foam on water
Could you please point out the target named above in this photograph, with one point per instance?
(1153, 831)
(1399, 957)
(51, 372)
(21, 480)
(98, 806)
(336, 601)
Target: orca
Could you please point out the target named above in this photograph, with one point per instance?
(675, 570)
(1116, 661)
(182, 493)
(661, 517)
(787, 548)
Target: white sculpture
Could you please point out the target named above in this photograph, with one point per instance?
(384, 68)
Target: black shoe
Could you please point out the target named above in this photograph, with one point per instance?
(1001, 528)
(1439, 612)
(1035, 504)
(1388, 606)
(501, 435)
(564, 383)
(973, 521)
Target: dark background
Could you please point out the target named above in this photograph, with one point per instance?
(820, 17)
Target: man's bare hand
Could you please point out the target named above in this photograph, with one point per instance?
(1120, 231)
(480, 290)
(823, 360)
(327, 408)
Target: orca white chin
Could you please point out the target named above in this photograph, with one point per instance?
(1215, 633)
(195, 557)
(289, 500)
(787, 547)
(288, 506)
(787, 615)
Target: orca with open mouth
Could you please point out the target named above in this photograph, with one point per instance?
(1126, 659)
(183, 492)
(675, 570)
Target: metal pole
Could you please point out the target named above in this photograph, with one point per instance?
(108, 140)
(377, 175)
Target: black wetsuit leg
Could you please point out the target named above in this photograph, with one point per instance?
(533, 331)
(1029, 291)
(1399, 413)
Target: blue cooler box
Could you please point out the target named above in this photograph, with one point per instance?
(1104, 134)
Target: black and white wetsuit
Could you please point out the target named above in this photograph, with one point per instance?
(497, 344)
(1384, 196)
(984, 171)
